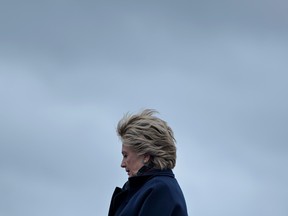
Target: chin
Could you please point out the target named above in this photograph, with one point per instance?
(132, 174)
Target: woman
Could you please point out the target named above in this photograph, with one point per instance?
(149, 155)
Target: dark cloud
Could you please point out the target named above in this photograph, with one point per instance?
(216, 71)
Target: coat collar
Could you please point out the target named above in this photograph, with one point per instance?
(137, 181)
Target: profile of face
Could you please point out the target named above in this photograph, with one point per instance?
(131, 161)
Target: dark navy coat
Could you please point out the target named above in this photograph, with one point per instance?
(156, 192)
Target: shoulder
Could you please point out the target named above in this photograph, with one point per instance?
(163, 195)
(163, 184)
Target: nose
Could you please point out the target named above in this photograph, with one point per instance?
(123, 165)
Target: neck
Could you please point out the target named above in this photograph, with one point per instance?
(144, 169)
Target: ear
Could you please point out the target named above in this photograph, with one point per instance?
(146, 158)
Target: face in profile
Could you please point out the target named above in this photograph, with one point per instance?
(131, 161)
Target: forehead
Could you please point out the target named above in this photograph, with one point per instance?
(126, 149)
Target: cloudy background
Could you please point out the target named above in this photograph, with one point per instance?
(215, 70)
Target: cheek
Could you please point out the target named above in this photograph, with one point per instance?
(137, 164)
(132, 163)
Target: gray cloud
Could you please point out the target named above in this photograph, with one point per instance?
(216, 71)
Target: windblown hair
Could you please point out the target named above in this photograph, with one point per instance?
(149, 135)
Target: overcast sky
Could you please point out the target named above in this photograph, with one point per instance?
(216, 71)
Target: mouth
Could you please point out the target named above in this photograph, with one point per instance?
(128, 172)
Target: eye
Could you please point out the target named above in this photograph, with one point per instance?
(124, 156)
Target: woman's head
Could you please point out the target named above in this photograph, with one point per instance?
(150, 137)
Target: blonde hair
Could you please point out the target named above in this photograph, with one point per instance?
(149, 135)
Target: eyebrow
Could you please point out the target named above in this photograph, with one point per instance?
(124, 152)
